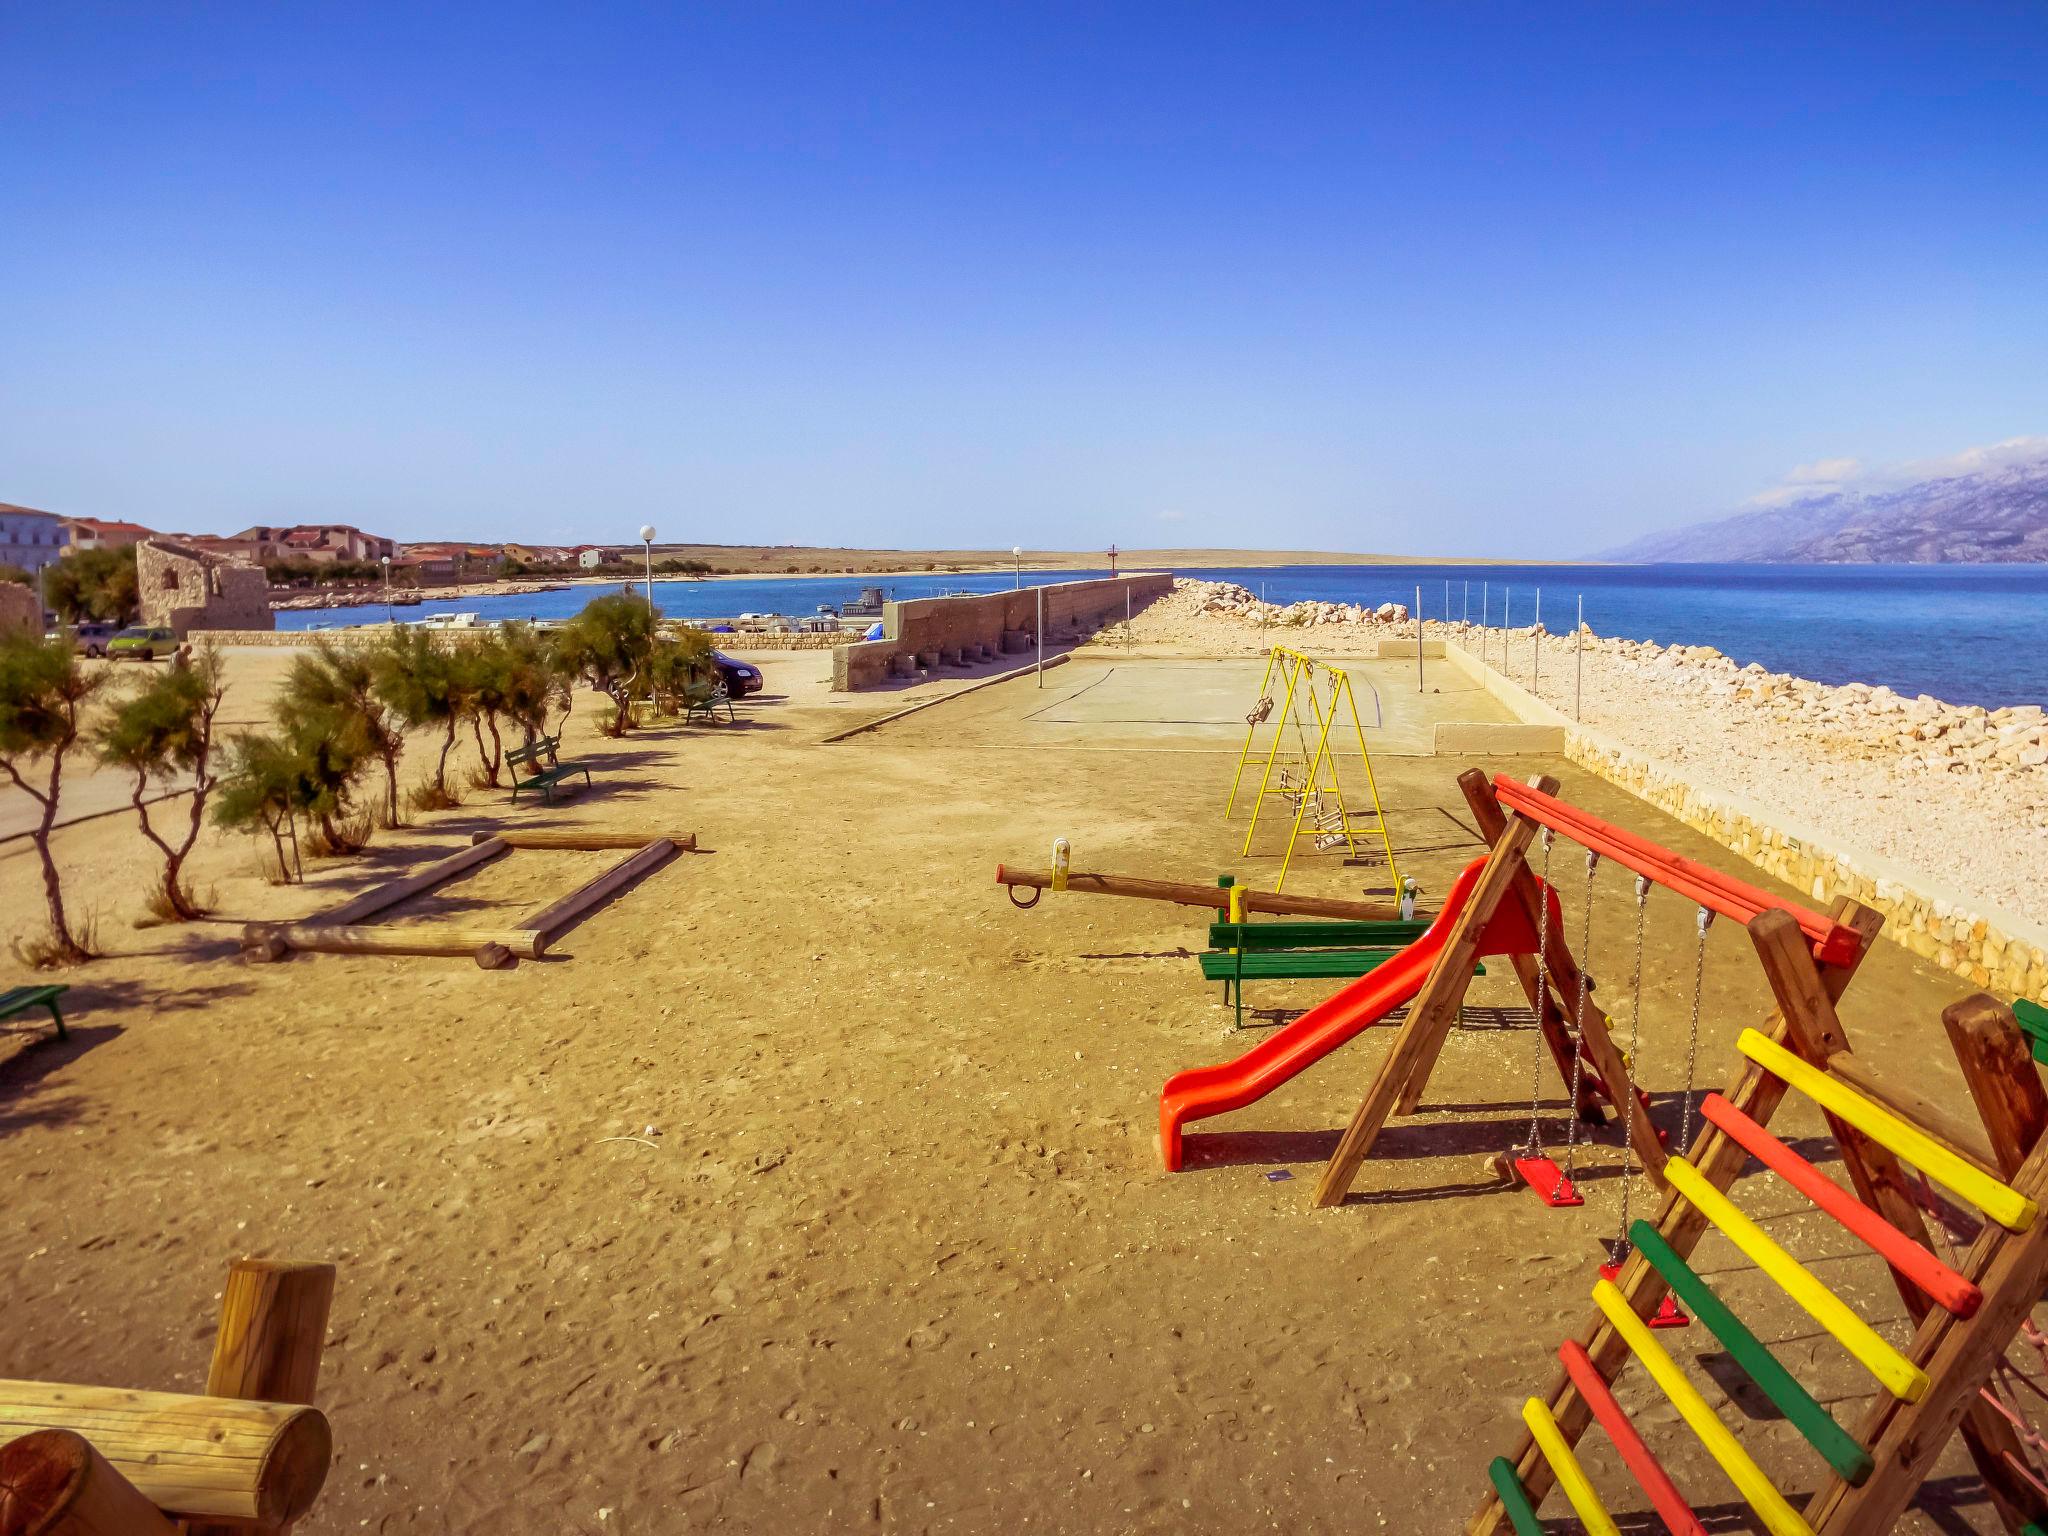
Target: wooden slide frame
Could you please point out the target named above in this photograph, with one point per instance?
(1509, 814)
(341, 930)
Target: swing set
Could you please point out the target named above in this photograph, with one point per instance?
(1310, 783)
(1509, 904)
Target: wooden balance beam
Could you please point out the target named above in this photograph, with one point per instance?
(341, 930)
(1215, 897)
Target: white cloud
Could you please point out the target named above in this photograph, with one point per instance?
(1170, 517)
(1825, 476)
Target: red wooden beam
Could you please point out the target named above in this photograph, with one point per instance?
(1833, 943)
(1942, 1284)
(1642, 1464)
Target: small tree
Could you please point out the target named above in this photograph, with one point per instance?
(534, 685)
(677, 660)
(261, 789)
(329, 757)
(606, 645)
(160, 730)
(93, 584)
(485, 670)
(41, 692)
(16, 575)
(424, 686)
(338, 685)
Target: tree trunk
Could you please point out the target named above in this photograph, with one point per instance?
(390, 756)
(68, 949)
(497, 745)
(441, 768)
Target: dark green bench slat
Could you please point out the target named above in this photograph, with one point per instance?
(2034, 1020)
(1318, 935)
(1221, 965)
(1514, 1498)
(1835, 1444)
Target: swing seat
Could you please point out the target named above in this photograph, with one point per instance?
(1667, 1314)
(1548, 1180)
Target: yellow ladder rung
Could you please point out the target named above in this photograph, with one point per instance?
(1899, 1376)
(1757, 1490)
(1571, 1477)
(2001, 1202)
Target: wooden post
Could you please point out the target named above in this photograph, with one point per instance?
(550, 921)
(2004, 1082)
(581, 839)
(53, 1483)
(273, 1328)
(397, 939)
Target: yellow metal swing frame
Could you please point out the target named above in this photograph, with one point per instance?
(1297, 673)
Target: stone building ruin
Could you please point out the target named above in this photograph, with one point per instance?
(186, 589)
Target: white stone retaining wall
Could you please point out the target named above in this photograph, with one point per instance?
(1980, 944)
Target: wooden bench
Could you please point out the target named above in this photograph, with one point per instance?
(19, 999)
(543, 757)
(1301, 951)
(704, 699)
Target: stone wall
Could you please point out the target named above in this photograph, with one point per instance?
(186, 589)
(926, 632)
(19, 610)
(1980, 944)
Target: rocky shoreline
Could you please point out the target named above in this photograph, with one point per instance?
(410, 597)
(1956, 791)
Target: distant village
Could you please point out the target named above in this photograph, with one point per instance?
(302, 553)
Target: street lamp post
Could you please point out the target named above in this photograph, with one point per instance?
(387, 589)
(1017, 554)
(1112, 560)
(647, 539)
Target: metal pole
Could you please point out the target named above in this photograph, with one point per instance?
(1579, 659)
(1536, 648)
(1418, 642)
(1468, 604)
(1507, 600)
(1447, 600)
(1127, 618)
(650, 576)
(1041, 636)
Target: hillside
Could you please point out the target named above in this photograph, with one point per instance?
(1997, 515)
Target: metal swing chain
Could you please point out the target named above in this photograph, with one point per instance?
(1692, 1039)
(1571, 1140)
(1635, 1061)
(1534, 1148)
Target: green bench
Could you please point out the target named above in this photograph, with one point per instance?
(543, 759)
(1301, 951)
(19, 999)
(704, 699)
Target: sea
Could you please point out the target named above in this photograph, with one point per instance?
(1969, 634)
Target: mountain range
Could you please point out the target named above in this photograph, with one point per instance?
(1991, 515)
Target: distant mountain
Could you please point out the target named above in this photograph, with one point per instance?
(1993, 515)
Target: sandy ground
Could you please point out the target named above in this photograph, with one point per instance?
(902, 1257)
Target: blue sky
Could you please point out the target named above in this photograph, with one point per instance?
(1452, 279)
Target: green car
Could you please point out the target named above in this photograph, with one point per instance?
(141, 643)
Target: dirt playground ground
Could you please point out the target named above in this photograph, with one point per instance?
(900, 1255)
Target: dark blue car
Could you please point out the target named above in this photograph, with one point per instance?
(740, 678)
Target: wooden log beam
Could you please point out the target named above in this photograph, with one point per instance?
(2005, 1084)
(581, 839)
(53, 1483)
(552, 920)
(391, 893)
(1938, 1124)
(424, 939)
(273, 1329)
(211, 1458)
(1214, 897)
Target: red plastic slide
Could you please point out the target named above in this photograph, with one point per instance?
(1200, 1092)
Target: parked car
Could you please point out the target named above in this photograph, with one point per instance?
(143, 642)
(89, 637)
(740, 678)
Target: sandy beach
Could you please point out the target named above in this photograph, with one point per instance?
(892, 1249)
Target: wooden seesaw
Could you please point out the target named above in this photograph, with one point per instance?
(343, 931)
(1968, 1309)
(248, 1455)
(1187, 894)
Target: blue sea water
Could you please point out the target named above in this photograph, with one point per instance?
(1971, 634)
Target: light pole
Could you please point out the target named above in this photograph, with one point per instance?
(387, 589)
(1112, 561)
(647, 539)
(1017, 554)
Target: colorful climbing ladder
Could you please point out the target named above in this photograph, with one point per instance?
(1967, 1312)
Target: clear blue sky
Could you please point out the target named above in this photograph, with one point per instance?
(1432, 279)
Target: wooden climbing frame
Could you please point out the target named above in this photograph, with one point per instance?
(342, 930)
(1966, 1313)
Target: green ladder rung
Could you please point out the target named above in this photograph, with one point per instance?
(1837, 1447)
(2033, 1018)
(1514, 1498)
